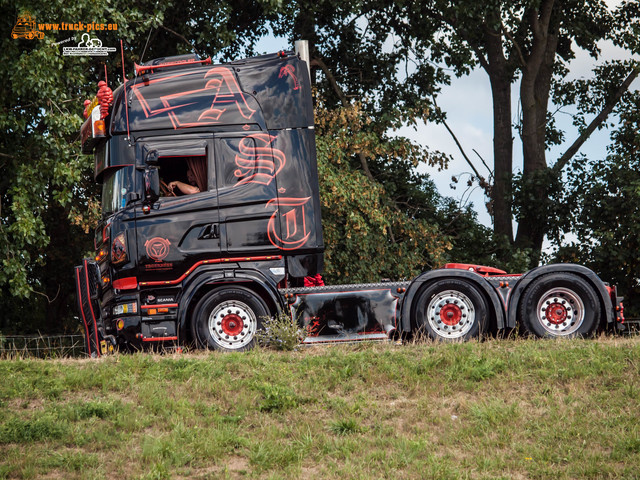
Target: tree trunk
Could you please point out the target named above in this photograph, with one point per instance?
(500, 73)
(501, 193)
(534, 99)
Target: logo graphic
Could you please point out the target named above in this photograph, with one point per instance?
(157, 248)
(258, 164)
(88, 46)
(295, 227)
(289, 70)
(25, 27)
(219, 83)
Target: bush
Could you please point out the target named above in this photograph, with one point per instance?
(281, 332)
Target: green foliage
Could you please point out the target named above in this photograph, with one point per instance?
(277, 398)
(345, 427)
(46, 185)
(530, 42)
(37, 430)
(361, 222)
(281, 332)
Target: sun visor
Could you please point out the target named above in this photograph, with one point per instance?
(174, 148)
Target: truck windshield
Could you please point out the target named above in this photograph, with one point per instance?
(116, 185)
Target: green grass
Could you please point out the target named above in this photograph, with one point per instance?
(498, 409)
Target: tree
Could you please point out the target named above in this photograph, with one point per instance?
(45, 188)
(528, 40)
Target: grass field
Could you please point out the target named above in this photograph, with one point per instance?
(497, 409)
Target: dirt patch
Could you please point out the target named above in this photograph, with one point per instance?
(27, 404)
(235, 467)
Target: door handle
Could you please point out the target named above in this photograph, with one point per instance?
(209, 232)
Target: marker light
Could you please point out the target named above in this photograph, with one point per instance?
(101, 254)
(127, 283)
(99, 129)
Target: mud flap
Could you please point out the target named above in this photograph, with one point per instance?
(88, 291)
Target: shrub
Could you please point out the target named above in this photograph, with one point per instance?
(281, 332)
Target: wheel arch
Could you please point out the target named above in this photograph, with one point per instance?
(496, 309)
(205, 282)
(583, 272)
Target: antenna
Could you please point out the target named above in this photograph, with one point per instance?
(124, 85)
(144, 50)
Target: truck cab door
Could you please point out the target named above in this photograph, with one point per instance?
(178, 230)
(246, 178)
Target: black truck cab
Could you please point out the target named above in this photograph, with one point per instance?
(241, 136)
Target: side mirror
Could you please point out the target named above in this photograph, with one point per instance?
(151, 185)
(152, 158)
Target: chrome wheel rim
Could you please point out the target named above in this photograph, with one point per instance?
(232, 324)
(560, 311)
(451, 314)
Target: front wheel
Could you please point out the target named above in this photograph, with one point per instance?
(451, 310)
(559, 305)
(227, 319)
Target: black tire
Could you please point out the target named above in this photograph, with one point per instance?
(227, 319)
(559, 305)
(450, 310)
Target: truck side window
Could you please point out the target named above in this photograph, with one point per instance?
(183, 175)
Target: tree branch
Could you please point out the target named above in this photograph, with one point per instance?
(345, 103)
(464, 34)
(510, 36)
(49, 300)
(455, 139)
(596, 122)
(482, 160)
(540, 24)
(183, 38)
(332, 80)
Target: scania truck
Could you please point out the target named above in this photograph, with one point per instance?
(211, 223)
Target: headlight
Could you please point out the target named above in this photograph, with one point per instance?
(125, 308)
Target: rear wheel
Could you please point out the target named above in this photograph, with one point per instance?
(451, 310)
(227, 319)
(559, 305)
